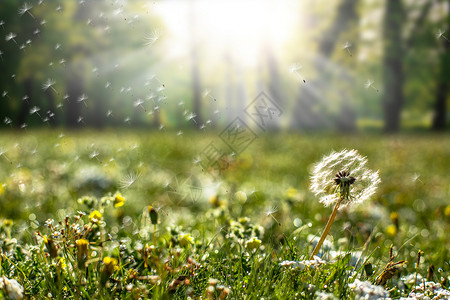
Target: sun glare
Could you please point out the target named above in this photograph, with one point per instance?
(237, 28)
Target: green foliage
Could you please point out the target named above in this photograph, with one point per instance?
(215, 243)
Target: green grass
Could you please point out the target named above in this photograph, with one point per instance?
(204, 229)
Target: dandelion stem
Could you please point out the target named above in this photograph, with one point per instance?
(326, 230)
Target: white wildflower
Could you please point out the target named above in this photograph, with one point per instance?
(325, 296)
(367, 291)
(302, 264)
(11, 288)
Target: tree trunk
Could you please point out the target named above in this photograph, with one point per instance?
(393, 65)
(305, 115)
(443, 85)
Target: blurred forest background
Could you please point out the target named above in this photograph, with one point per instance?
(342, 65)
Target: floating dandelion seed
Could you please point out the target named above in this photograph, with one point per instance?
(346, 47)
(59, 8)
(440, 34)
(62, 62)
(83, 99)
(7, 121)
(179, 133)
(80, 120)
(25, 98)
(26, 9)
(129, 180)
(10, 36)
(109, 113)
(295, 68)
(108, 84)
(57, 46)
(1, 55)
(94, 154)
(2, 153)
(36, 32)
(35, 110)
(43, 22)
(415, 177)
(369, 84)
(2, 23)
(152, 38)
(207, 93)
(139, 103)
(342, 179)
(49, 85)
(192, 117)
(269, 213)
(127, 120)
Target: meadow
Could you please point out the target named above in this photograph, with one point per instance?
(132, 214)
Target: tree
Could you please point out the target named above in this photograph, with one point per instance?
(304, 113)
(443, 82)
(393, 65)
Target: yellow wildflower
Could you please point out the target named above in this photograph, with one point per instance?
(8, 222)
(447, 211)
(109, 266)
(95, 216)
(391, 231)
(253, 243)
(119, 200)
(291, 193)
(82, 252)
(186, 240)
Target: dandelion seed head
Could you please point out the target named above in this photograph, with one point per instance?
(325, 182)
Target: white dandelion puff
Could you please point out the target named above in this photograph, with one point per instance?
(343, 177)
